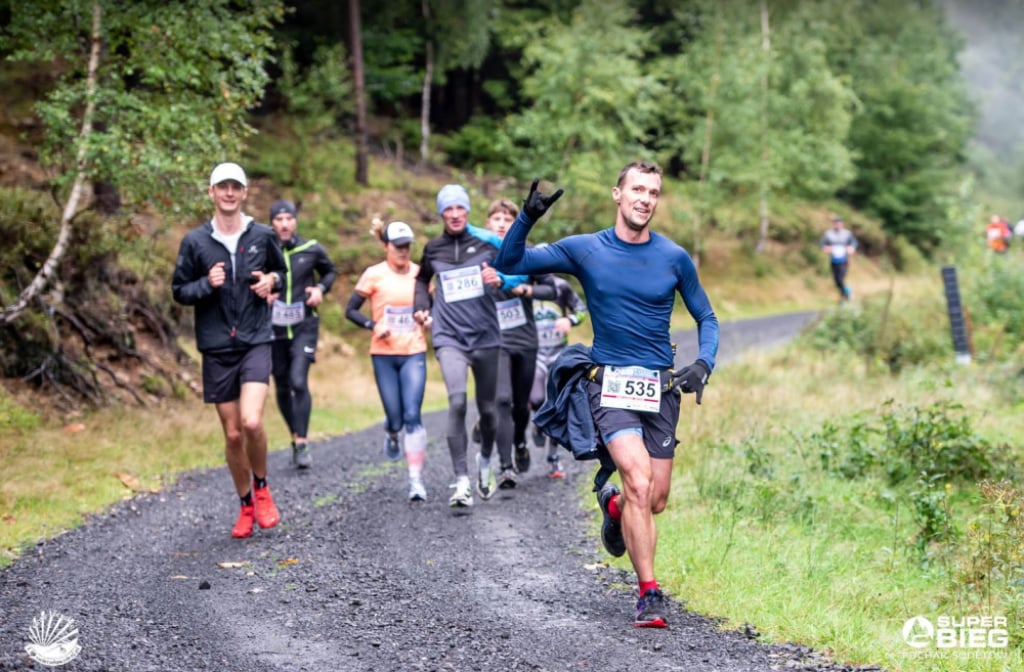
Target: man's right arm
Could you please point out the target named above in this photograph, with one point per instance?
(189, 284)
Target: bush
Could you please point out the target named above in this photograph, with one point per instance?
(996, 295)
(935, 442)
(894, 336)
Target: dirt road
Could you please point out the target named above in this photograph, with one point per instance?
(356, 578)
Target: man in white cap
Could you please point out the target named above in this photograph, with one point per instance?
(226, 269)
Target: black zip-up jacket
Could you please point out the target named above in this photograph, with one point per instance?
(232, 316)
(467, 325)
(308, 266)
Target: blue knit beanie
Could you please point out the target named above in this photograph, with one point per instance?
(452, 194)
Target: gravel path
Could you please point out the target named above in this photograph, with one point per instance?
(355, 578)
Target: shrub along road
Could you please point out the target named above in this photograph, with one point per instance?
(356, 578)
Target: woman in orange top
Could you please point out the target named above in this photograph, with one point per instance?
(398, 348)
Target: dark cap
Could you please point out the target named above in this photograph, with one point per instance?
(281, 206)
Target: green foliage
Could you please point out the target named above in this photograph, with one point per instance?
(935, 443)
(993, 565)
(315, 98)
(590, 102)
(479, 144)
(930, 502)
(779, 118)
(894, 337)
(15, 417)
(21, 257)
(995, 295)
(913, 121)
(174, 84)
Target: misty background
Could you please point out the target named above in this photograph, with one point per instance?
(992, 66)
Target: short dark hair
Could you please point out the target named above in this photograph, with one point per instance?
(639, 166)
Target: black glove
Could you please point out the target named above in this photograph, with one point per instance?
(691, 378)
(536, 203)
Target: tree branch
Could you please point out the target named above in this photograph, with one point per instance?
(42, 279)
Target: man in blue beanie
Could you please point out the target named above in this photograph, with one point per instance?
(464, 327)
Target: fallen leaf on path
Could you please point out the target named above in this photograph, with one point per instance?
(289, 561)
(129, 481)
(232, 565)
(179, 576)
(596, 566)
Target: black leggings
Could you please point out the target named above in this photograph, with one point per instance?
(515, 382)
(292, 359)
(839, 275)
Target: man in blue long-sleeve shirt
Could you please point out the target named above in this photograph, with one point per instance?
(630, 276)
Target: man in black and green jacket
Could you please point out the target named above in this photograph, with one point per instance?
(297, 325)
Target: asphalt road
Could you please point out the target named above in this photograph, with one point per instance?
(356, 578)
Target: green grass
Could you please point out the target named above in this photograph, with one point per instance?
(756, 531)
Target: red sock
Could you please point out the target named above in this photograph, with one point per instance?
(648, 585)
(613, 508)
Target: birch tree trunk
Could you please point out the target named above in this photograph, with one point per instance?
(428, 80)
(42, 279)
(709, 126)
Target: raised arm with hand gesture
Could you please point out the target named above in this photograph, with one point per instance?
(536, 203)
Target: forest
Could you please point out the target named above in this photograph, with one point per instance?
(749, 106)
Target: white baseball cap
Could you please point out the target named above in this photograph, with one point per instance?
(228, 171)
(398, 233)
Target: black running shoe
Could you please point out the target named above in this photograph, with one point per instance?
(611, 529)
(650, 610)
(522, 456)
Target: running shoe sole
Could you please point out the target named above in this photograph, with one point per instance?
(507, 479)
(650, 610)
(522, 459)
(485, 490)
(611, 529)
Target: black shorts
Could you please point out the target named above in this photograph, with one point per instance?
(224, 372)
(658, 429)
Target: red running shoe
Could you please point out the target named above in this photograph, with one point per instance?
(243, 526)
(267, 514)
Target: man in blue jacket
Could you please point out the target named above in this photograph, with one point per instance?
(630, 276)
(226, 269)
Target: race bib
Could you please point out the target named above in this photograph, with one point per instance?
(399, 320)
(510, 313)
(287, 314)
(631, 387)
(839, 252)
(462, 283)
(547, 335)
